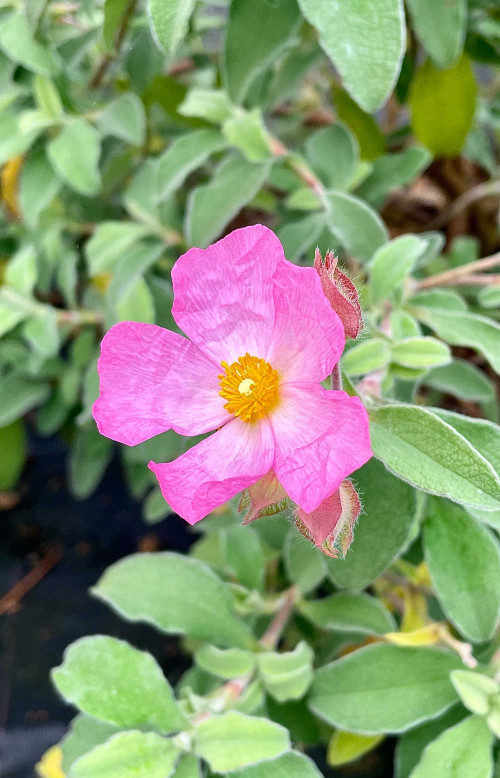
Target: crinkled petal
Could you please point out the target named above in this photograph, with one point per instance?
(321, 438)
(152, 380)
(308, 336)
(216, 469)
(223, 295)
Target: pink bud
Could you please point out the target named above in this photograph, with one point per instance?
(330, 527)
(340, 292)
(265, 498)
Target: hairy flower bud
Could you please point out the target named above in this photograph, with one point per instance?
(265, 498)
(330, 527)
(340, 292)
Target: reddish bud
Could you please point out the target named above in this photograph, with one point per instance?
(265, 498)
(340, 292)
(330, 527)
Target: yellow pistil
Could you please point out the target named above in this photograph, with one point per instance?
(250, 387)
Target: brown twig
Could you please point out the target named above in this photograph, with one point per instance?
(272, 635)
(449, 277)
(469, 197)
(9, 603)
(107, 59)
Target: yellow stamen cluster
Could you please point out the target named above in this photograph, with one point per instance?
(250, 387)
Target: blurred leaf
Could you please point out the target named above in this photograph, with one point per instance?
(155, 507)
(88, 460)
(464, 750)
(95, 677)
(440, 27)
(382, 530)
(12, 453)
(366, 357)
(233, 741)
(367, 691)
(114, 14)
(47, 96)
(359, 229)
(225, 663)
(442, 104)
(298, 236)
(124, 118)
(346, 747)
(169, 21)
(79, 170)
(84, 733)
(461, 379)
(18, 395)
(411, 745)
(186, 153)
(212, 206)
(245, 557)
(17, 42)
(288, 675)
(457, 548)
(364, 126)
(213, 105)
(489, 296)
(248, 134)
(333, 152)
(109, 242)
(349, 612)
(21, 272)
(42, 332)
(129, 755)
(304, 563)
(175, 607)
(392, 171)
(475, 689)
(291, 765)
(392, 263)
(418, 447)
(38, 186)
(420, 352)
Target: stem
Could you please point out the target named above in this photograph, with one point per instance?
(272, 635)
(449, 277)
(298, 165)
(478, 192)
(107, 59)
(336, 377)
(9, 603)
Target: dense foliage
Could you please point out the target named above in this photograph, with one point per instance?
(128, 134)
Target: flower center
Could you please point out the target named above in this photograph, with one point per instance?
(250, 387)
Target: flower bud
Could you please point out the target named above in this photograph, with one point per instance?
(340, 292)
(265, 498)
(330, 527)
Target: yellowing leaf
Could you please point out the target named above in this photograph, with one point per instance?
(415, 611)
(425, 636)
(347, 747)
(50, 765)
(10, 185)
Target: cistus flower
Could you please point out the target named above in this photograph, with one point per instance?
(262, 336)
(341, 293)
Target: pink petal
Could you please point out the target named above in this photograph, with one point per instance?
(308, 336)
(321, 438)
(223, 295)
(216, 469)
(152, 380)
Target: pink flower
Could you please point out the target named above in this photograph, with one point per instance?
(262, 336)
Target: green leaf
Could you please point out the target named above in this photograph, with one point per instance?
(110, 242)
(42, 332)
(225, 663)
(384, 688)
(16, 40)
(163, 590)
(95, 676)
(85, 733)
(186, 153)
(74, 155)
(124, 118)
(392, 171)
(248, 134)
(13, 139)
(169, 21)
(489, 296)
(346, 747)
(88, 460)
(365, 128)
(462, 751)
(287, 676)
(459, 548)
(474, 689)
(428, 453)
(392, 263)
(420, 353)
(304, 564)
(245, 557)
(365, 40)
(187, 767)
(11, 313)
(18, 395)
(12, 453)
(47, 97)
(21, 272)
(155, 507)
(234, 740)
(333, 152)
(443, 299)
(411, 744)
(461, 379)
(38, 186)
(349, 612)
(373, 354)
(212, 206)
(359, 229)
(129, 755)
(442, 104)
(114, 13)
(465, 329)
(440, 27)
(298, 236)
(213, 105)
(291, 765)
(382, 531)
(256, 35)
(128, 293)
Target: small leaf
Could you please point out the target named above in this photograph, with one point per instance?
(169, 21)
(38, 186)
(291, 765)
(349, 612)
(129, 755)
(346, 747)
(365, 128)
(85, 733)
(12, 453)
(392, 263)
(18, 395)
(124, 118)
(109, 242)
(462, 751)
(160, 589)
(225, 663)
(474, 689)
(17, 42)
(74, 155)
(368, 691)
(234, 740)
(287, 676)
(88, 461)
(334, 154)
(186, 153)
(359, 228)
(420, 353)
(366, 357)
(461, 379)
(365, 40)
(245, 557)
(95, 676)
(21, 272)
(304, 564)
(213, 105)
(440, 27)
(248, 134)
(392, 171)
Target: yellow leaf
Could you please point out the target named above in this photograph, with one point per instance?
(50, 765)
(345, 747)
(415, 613)
(10, 185)
(425, 636)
